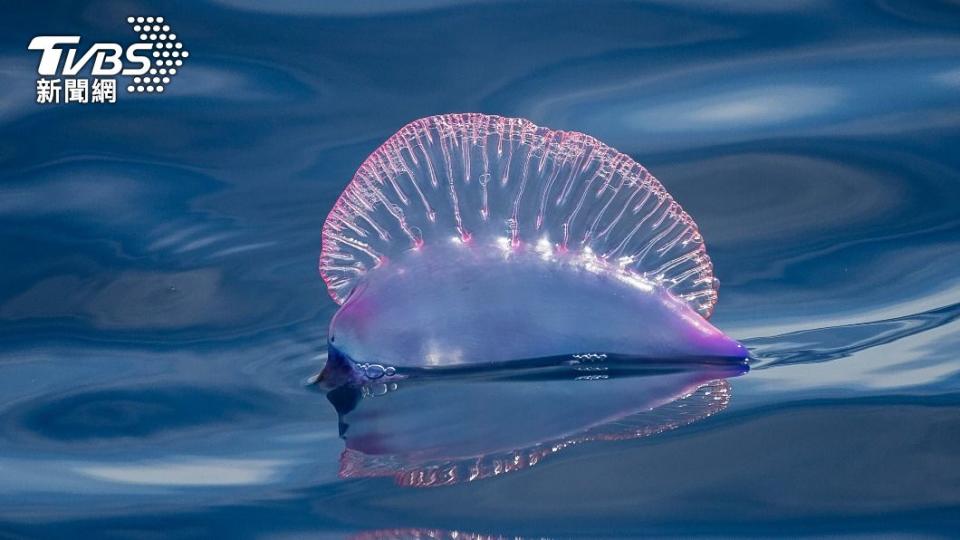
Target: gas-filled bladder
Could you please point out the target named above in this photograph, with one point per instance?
(507, 291)
(468, 241)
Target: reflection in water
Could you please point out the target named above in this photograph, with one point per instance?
(431, 534)
(443, 431)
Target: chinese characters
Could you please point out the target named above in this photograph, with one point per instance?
(76, 90)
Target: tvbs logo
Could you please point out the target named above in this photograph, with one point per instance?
(150, 64)
(107, 57)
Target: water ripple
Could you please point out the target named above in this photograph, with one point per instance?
(836, 342)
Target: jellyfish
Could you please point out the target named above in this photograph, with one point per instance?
(469, 242)
(434, 431)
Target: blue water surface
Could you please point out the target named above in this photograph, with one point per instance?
(161, 311)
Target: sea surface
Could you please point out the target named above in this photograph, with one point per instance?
(161, 313)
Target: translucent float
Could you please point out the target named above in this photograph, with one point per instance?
(470, 241)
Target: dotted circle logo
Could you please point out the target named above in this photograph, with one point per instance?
(168, 54)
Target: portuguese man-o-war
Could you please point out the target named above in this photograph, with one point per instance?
(469, 241)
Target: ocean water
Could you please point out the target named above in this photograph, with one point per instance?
(161, 314)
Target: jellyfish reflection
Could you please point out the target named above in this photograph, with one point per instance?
(445, 430)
